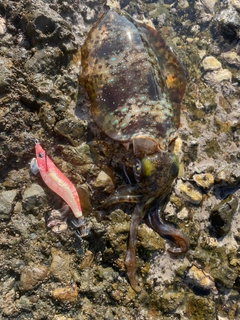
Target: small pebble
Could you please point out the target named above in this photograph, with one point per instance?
(105, 182)
(183, 214)
(65, 294)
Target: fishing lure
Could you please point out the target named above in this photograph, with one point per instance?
(57, 182)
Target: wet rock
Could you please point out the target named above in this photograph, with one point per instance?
(231, 57)
(6, 203)
(169, 301)
(183, 4)
(229, 21)
(215, 258)
(183, 214)
(104, 182)
(87, 260)
(59, 317)
(72, 129)
(203, 166)
(42, 84)
(210, 63)
(6, 75)
(221, 215)
(47, 115)
(24, 303)
(2, 26)
(228, 174)
(224, 275)
(236, 4)
(107, 273)
(199, 307)
(204, 180)
(46, 60)
(118, 236)
(15, 178)
(218, 76)
(32, 276)
(89, 285)
(34, 198)
(66, 294)
(199, 278)
(85, 198)
(188, 192)
(79, 155)
(178, 202)
(44, 25)
(60, 266)
(8, 297)
(149, 240)
(209, 4)
(204, 10)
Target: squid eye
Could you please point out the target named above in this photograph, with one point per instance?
(137, 169)
(40, 155)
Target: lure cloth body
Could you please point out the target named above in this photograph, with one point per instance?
(57, 181)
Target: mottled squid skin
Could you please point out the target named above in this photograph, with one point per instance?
(135, 85)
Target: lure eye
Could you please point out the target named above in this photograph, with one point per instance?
(137, 169)
(40, 155)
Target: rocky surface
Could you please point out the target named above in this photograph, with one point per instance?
(59, 276)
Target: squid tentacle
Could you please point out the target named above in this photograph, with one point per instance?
(167, 232)
(130, 260)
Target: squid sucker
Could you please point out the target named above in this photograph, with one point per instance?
(135, 85)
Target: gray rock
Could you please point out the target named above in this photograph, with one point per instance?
(6, 203)
(34, 198)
